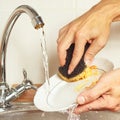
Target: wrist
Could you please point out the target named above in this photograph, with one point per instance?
(109, 9)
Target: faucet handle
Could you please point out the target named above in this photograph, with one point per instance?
(27, 83)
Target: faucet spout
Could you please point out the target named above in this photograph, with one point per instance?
(34, 16)
(37, 23)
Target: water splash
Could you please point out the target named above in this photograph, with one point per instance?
(72, 115)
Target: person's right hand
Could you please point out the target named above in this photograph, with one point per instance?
(105, 95)
(92, 27)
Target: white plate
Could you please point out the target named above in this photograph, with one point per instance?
(61, 94)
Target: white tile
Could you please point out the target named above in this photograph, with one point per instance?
(55, 14)
(112, 47)
(84, 5)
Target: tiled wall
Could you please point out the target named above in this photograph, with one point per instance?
(24, 47)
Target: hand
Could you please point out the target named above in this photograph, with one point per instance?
(92, 27)
(105, 95)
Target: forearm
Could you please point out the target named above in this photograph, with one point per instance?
(110, 8)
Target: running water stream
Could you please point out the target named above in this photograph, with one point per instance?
(45, 58)
(71, 115)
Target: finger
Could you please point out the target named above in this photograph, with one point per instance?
(94, 93)
(105, 102)
(98, 104)
(77, 53)
(59, 51)
(63, 45)
(94, 48)
(62, 33)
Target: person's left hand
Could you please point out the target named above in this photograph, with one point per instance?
(105, 95)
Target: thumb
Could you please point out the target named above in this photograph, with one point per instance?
(94, 48)
(92, 94)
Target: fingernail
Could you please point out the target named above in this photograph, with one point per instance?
(81, 100)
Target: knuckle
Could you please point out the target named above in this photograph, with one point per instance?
(89, 54)
(77, 35)
(82, 35)
(93, 95)
(100, 43)
(100, 100)
(90, 96)
(72, 28)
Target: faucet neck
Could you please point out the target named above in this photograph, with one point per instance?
(37, 23)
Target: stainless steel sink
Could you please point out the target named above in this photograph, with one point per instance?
(30, 112)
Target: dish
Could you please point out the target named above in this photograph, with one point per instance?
(61, 94)
(67, 92)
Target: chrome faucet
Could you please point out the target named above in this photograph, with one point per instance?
(7, 94)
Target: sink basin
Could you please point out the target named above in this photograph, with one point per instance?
(23, 111)
(30, 112)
